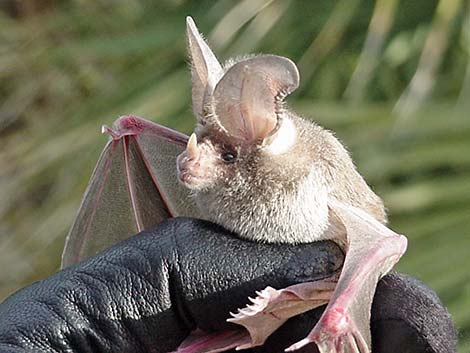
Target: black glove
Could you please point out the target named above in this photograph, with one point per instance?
(149, 292)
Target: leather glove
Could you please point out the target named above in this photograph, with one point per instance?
(149, 292)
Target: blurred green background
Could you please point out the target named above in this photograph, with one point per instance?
(391, 77)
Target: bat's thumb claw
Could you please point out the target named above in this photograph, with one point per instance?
(298, 345)
(105, 129)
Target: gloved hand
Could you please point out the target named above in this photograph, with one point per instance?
(148, 293)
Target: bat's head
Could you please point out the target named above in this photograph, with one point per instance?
(253, 166)
(240, 114)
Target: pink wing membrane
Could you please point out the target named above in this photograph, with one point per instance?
(201, 342)
(133, 187)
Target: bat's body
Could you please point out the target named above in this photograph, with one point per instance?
(259, 170)
(267, 174)
(279, 192)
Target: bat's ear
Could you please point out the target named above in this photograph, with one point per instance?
(248, 99)
(206, 70)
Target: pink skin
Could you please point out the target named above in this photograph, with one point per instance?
(129, 125)
(198, 168)
(337, 325)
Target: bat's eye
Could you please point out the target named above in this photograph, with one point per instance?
(229, 157)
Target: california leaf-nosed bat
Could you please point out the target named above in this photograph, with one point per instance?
(262, 171)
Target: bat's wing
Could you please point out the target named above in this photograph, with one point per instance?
(372, 250)
(133, 187)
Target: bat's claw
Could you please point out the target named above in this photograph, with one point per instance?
(299, 344)
(335, 333)
(271, 308)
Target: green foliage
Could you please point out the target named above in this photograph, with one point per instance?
(391, 77)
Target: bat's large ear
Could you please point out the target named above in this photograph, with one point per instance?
(248, 99)
(206, 70)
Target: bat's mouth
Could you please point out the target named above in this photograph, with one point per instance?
(186, 178)
(189, 171)
(195, 174)
(191, 180)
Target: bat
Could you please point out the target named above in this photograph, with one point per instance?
(260, 170)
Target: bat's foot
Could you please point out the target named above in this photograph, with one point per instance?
(336, 332)
(271, 308)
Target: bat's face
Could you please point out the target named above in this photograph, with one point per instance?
(216, 162)
(239, 110)
(208, 161)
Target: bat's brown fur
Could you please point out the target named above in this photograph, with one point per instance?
(266, 194)
(282, 198)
